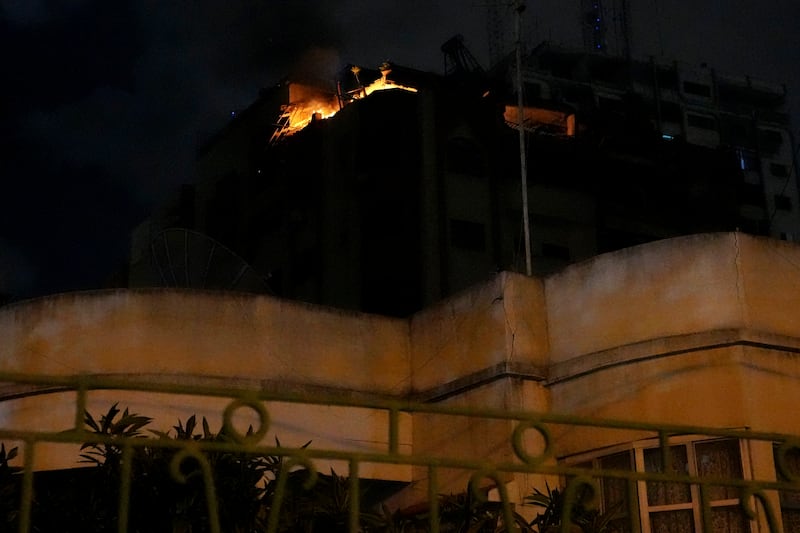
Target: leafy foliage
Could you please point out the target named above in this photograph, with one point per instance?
(246, 485)
(582, 518)
(553, 503)
(464, 513)
(127, 426)
(9, 485)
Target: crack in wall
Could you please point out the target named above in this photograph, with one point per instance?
(740, 292)
(509, 324)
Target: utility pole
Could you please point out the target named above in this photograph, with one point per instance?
(523, 165)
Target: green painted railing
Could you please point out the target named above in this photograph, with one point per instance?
(756, 496)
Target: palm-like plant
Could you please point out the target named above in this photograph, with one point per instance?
(9, 486)
(244, 483)
(582, 519)
(128, 426)
(160, 502)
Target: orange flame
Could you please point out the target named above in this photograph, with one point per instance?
(382, 84)
(300, 112)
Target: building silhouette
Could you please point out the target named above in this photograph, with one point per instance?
(386, 189)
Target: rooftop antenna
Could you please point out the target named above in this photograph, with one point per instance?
(606, 27)
(457, 57)
(494, 25)
(594, 25)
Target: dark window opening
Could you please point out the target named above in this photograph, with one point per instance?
(610, 104)
(533, 90)
(753, 226)
(578, 94)
(752, 194)
(783, 202)
(698, 89)
(464, 157)
(467, 235)
(305, 266)
(670, 112)
(667, 78)
(778, 170)
(770, 141)
(701, 121)
(737, 132)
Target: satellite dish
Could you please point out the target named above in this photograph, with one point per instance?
(186, 258)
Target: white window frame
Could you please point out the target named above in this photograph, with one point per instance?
(689, 441)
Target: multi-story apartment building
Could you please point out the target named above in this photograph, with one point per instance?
(387, 189)
(695, 105)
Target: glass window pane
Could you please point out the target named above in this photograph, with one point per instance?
(719, 459)
(672, 522)
(790, 500)
(791, 520)
(729, 520)
(621, 525)
(667, 493)
(615, 490)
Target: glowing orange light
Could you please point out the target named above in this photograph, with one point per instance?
(302, 113)
(534, 118)
(308, 104)
(382, 84)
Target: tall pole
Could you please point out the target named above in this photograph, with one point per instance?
(523, 165)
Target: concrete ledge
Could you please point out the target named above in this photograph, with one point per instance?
(668, 347)
(507, 369)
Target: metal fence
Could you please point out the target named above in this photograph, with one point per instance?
(757, 499)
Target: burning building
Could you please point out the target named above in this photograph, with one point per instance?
(311, 101)
(387, 189)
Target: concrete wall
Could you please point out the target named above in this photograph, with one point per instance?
(698, 330)
(499, 323)
(196, 338)
(656, 290)
(236, 336)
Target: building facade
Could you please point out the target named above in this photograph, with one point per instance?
(388, 189)
(696, 105)
(688, 345)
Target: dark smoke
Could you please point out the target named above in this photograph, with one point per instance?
(104, 104)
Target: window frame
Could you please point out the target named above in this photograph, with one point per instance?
(695, 504)
(702, 121)
(643, 508)
(785, 506)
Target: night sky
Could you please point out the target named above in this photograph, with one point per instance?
(104, 102)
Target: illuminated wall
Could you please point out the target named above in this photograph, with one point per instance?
(697, 330)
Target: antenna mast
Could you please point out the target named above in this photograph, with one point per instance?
(606, 28)
(523, 165)
(495, 30)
